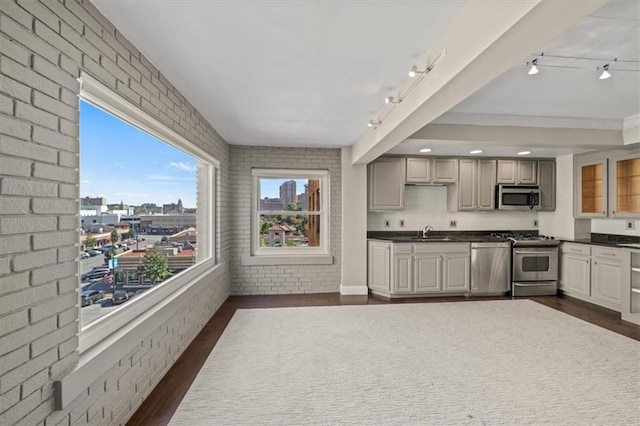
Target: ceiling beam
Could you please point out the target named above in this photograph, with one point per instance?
(522, 136)
(483, 41)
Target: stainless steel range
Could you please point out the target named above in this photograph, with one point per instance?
(534, 270)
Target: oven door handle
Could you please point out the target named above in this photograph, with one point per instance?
(541, 252)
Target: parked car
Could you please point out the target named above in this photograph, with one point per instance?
(89, 297)
(120, 296)
(95, 273)
(94, 252)
(84, 255)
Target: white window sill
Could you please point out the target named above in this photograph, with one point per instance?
(98, 359)
(322, 259)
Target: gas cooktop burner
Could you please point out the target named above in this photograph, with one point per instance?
(519, 239)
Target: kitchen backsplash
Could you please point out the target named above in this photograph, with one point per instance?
(427, 205)
(615, 226)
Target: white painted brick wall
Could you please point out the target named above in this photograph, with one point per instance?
(44, 46)
(282, 279)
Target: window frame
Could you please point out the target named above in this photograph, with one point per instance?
(290, 252)
(98, 332)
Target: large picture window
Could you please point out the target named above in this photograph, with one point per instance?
(290, 212)
(147, 218)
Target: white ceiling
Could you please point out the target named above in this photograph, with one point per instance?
(283, 73)
(312, 73)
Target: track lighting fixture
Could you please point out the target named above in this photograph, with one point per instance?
(534, 67)
(373, 124)
(388, 99)
(414, 71)
(605, 72)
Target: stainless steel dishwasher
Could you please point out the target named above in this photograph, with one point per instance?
(490, 268)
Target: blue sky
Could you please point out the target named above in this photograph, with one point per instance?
(120, 162)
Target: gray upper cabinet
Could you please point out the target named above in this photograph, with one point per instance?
(487, 184)
(467, 188)
(517, 172)
(418, 170)
(547, 183)
(476, 185)
(445, 170)
(386, 183)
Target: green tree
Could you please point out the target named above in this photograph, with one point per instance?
(110, 254)
(155, 266)
(164, 239)
(90, 242)
(115, 237)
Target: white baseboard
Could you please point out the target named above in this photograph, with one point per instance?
(354, 290)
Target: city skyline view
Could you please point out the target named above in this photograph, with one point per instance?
(271, 187)
(120, 162)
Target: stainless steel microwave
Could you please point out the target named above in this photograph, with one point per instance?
(517, 197)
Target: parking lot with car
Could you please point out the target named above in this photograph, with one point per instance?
(95, 276)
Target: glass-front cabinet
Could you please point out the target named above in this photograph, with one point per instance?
(591, 194)
(624, 197)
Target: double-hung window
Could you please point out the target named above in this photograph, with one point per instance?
(290, 212)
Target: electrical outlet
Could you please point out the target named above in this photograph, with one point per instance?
(535, 223)
(630, 224)
(386, 223)
(401, 223)
(453, 224)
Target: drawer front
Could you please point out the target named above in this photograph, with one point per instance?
(443, 248)
(403, 248)
(574, 248)
(607, 252)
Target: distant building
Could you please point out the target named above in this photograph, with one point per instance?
(288, 193)
(167, 223)
(173, 207)
(313, 199)
(94, 201)
(148, 208)
(271, 204)
(302, 199)
(92, 210)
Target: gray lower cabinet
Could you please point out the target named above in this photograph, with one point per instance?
(418, 269)
(592, 273)
(378, 266)
(386, 183)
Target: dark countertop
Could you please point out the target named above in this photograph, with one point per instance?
(607, 240)
(438, 236)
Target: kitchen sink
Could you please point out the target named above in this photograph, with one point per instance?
(434, 238)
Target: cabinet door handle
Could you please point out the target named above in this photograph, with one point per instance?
(613, 212)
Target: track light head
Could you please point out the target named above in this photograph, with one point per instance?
(414, 71)
(534, 67)
(388, 99)
(373, 124)
(605, 72)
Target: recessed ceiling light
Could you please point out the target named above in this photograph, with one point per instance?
(476, 151)
(524, 153)
(425, 150)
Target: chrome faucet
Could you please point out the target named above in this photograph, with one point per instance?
(426, 231)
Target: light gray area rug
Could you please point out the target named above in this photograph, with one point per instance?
(481, 362)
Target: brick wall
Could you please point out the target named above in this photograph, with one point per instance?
(281, 279)
(44, 46)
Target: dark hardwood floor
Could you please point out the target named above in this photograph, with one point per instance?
(159, 407)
